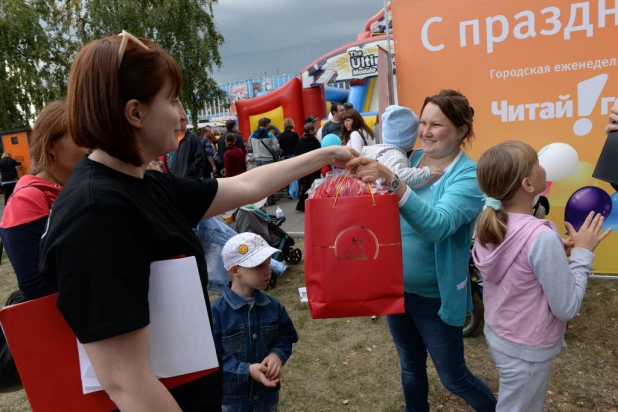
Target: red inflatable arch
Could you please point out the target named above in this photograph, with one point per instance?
(277, 105)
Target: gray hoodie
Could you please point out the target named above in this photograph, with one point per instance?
(263, 144)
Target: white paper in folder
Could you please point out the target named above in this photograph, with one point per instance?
(180, 335)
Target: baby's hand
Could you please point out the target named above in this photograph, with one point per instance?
(436, 171)
(257, 372)
(274, 366)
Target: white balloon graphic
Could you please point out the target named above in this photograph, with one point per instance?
(559, 160)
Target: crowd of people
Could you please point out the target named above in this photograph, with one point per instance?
(230, 154)
(122, 116)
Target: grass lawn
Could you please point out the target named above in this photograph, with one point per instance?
(352, 365)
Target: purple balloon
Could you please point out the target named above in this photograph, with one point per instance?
(585, 200)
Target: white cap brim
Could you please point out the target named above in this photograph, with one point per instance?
(256, 258)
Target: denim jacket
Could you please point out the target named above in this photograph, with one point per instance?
(244, 334)
(213, 234)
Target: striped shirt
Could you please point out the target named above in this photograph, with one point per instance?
(396, 160)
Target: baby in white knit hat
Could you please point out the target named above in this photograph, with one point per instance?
(399, 132)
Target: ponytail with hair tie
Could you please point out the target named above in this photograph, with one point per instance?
(495, 204)
(492, 222)
(501, 171)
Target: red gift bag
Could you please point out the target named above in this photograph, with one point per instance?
(353, 258)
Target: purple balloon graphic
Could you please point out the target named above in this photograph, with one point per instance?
(585, 200)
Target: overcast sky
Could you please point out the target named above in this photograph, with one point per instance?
(288, 34)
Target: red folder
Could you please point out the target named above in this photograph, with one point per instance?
(45, 351)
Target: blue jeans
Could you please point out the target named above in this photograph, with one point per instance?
(259, 163)
(213, 235)
(269, 405)
(419, 330)
(292, 188)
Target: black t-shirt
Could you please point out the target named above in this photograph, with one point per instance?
(306, 144)
(288, 141)
(8, 169)
(105, 229)
(331, 128)
(207, 169)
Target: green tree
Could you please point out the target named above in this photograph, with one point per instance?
(23, 48)
(39, 39)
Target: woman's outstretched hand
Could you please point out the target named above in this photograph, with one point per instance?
(369, 170)
(342, 155)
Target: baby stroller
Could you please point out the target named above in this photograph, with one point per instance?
(251, 219)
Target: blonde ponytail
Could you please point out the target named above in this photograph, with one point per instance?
(491, 226)
(500, 172)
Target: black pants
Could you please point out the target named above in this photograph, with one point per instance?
(305, 185)
(220, 167)
(8, 191)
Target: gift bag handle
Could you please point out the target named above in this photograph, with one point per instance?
(373, 199)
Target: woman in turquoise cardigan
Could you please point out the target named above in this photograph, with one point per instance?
(437, 219)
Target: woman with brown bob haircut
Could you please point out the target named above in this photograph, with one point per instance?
(54, 156)
(113, 219)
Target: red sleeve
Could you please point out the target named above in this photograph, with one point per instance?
(27, 205)
(325, 170)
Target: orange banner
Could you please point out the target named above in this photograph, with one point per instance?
(534, 70)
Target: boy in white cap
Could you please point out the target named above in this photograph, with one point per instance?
(252, 330)
(399, 132)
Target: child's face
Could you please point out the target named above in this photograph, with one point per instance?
(256, 278)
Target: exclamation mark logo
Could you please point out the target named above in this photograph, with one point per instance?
(588, 93)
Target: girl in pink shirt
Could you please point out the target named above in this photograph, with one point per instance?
(531, 288)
